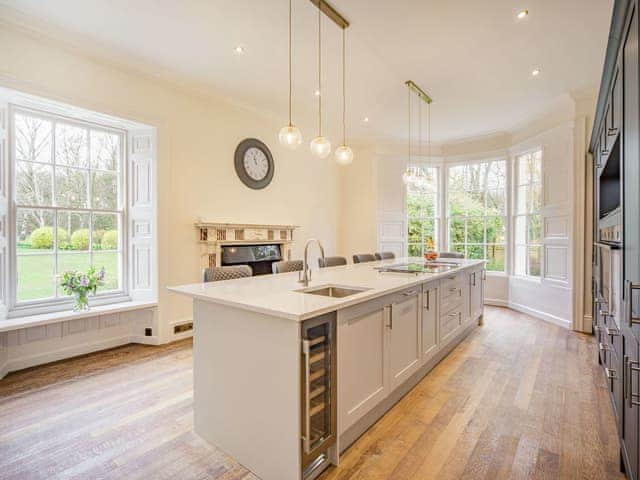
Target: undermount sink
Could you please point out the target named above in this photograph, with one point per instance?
(333, 291)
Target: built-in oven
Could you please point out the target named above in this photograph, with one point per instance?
(318, 395)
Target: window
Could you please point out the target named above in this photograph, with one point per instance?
(68, 204)
(476, 211)
(527, 218)
(423, 213)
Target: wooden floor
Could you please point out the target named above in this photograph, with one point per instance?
(519, 398)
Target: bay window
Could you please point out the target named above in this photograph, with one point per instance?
(423, 218)
(527, 218)
(476, 199)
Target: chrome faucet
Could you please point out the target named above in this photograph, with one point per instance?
(305, 275)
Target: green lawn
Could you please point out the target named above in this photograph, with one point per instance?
(36, 278)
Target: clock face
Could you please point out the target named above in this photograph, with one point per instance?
(256, 163)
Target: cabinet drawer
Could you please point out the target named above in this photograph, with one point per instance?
(449, 323)
(454, 300)
(450, 282)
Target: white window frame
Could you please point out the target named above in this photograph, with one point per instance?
(437, 217)
(53, 304)
(516, 187)
(505, 215)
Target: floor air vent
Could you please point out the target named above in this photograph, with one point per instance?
(183, 327)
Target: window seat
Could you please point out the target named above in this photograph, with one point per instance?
(55, 317)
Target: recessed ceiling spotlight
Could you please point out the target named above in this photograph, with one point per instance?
(535, 72)
(239, 50)
(317, 93)
(522, 14)
(365, 119)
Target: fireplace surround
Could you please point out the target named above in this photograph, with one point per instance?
(216, 238)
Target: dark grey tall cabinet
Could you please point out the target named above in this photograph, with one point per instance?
(615, 148)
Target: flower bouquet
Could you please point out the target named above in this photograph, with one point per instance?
(81, 284)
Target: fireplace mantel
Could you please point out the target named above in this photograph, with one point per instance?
(213, 235)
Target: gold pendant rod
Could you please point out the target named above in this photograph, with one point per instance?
(417, 90)
(332, 13)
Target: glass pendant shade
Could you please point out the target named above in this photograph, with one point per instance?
(290, 137)
(407, 177)
(344, 155)
(320, 147)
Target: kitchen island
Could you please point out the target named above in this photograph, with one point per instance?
(287, 376)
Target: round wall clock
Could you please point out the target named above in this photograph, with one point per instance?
(254, 163)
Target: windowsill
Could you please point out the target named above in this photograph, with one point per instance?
(527, 278)
(64, 316)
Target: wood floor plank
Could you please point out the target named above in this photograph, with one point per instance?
(517, 399)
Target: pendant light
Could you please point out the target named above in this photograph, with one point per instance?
(414, 174)
(320, 146)
(409, 176)
(290, 135)
(344, 154)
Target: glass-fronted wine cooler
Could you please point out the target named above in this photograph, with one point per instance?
(318, 395)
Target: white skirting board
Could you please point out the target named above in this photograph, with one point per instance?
(36, 345)
(562, 322)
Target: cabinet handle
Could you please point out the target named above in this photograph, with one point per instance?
(453, 289)
(605, 152)
(474, 279)
(612, 131)
(611, 375)
(428, 299)
(612, 332)
(631, 287)
(306, 439)
(389, 311)
(603, 350)
(633, 366)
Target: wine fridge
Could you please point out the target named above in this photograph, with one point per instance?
(318, 395)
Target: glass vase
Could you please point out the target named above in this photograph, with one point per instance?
(81, 302)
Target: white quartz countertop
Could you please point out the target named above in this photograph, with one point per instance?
(278, 295)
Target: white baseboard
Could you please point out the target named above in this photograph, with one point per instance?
(547, 317)
(494, 302)
(145, 340)
(68, 352)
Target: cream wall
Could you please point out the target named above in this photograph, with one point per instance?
(196, 140)
(357, 200)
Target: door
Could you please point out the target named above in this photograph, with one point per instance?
(429, 322)
(475, 294)
(362, 364)
(404, 337)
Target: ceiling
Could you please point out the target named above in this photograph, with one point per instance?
(473, 57)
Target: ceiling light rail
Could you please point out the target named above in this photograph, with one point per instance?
(332, 13)
(418, 91)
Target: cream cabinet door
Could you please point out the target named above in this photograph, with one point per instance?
(429, 322)
(361, 365)
(404, 338)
